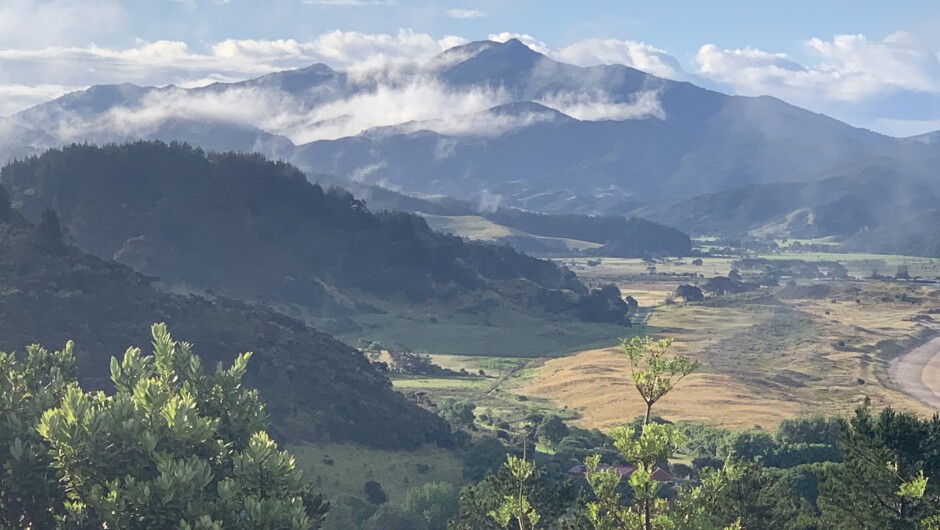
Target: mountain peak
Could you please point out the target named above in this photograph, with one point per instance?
(483, 61)
(489, 49)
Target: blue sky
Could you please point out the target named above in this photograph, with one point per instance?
(872, 64)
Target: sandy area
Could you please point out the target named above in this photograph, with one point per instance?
(917, 372)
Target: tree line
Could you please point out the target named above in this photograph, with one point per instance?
(177, 446)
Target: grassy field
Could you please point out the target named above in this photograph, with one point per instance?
(494, 395)
(342, 469)
(763, 361)
(633, 269)
(482, 229)
(858, 264)
(500, 333)
(862, 265)
(764, 358)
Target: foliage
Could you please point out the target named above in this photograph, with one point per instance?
(457, 412)
(522, 491)
(29, 489)
(885, 481)
(374, 492)
(720, 285)
(434, 502)
(50, 236)
(183, 449)
(247, 227)
(551, 430)
(653, 373)
(6, 209)
(690, 293)
(516, 509)
(485, 454)
(390, 517)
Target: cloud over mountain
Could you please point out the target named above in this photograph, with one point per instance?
(867, 82)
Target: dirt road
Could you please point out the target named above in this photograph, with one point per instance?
(917, 372)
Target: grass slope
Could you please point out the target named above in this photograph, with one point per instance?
(342, 469)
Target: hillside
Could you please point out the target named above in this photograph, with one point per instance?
(533, 233)
(249, 228)
(619, 236)
(872, 206)
(315, 387)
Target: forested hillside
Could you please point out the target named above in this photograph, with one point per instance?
(872, 206)
(248, 227)
(315, 387)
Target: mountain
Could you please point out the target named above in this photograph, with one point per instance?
(874, 205)
(314, 386)
(499, 122)
(250, 228)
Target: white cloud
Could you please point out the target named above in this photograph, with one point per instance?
(17, 97)
(852, 77)
(465, 13)
(524, 38)
(849, 68)
(423, 102)
(599, 107)
(173, 62)
(639, 55)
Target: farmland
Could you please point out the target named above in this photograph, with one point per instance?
(779, 353)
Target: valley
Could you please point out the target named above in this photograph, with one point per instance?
(423, 282)
(767, 356)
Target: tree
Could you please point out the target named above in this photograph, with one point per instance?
(551, 430)
(173, 447)
(50, 236)
(516, 508)
(903, 272)
(505, 490)
(692, 508)
(690, 293)
(435, 503)
(888, 479)
(457, 412)
(374, 492)
(654, 374)
(390, 517)
(29, 488)
(6, 209)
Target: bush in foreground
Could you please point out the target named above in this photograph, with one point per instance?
(173, 447)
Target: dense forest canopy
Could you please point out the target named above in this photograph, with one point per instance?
(252, 228)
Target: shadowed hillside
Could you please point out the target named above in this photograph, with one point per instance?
(315, 387)
(246, 227)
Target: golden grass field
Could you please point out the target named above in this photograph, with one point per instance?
(762, 362)
(764, 358)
